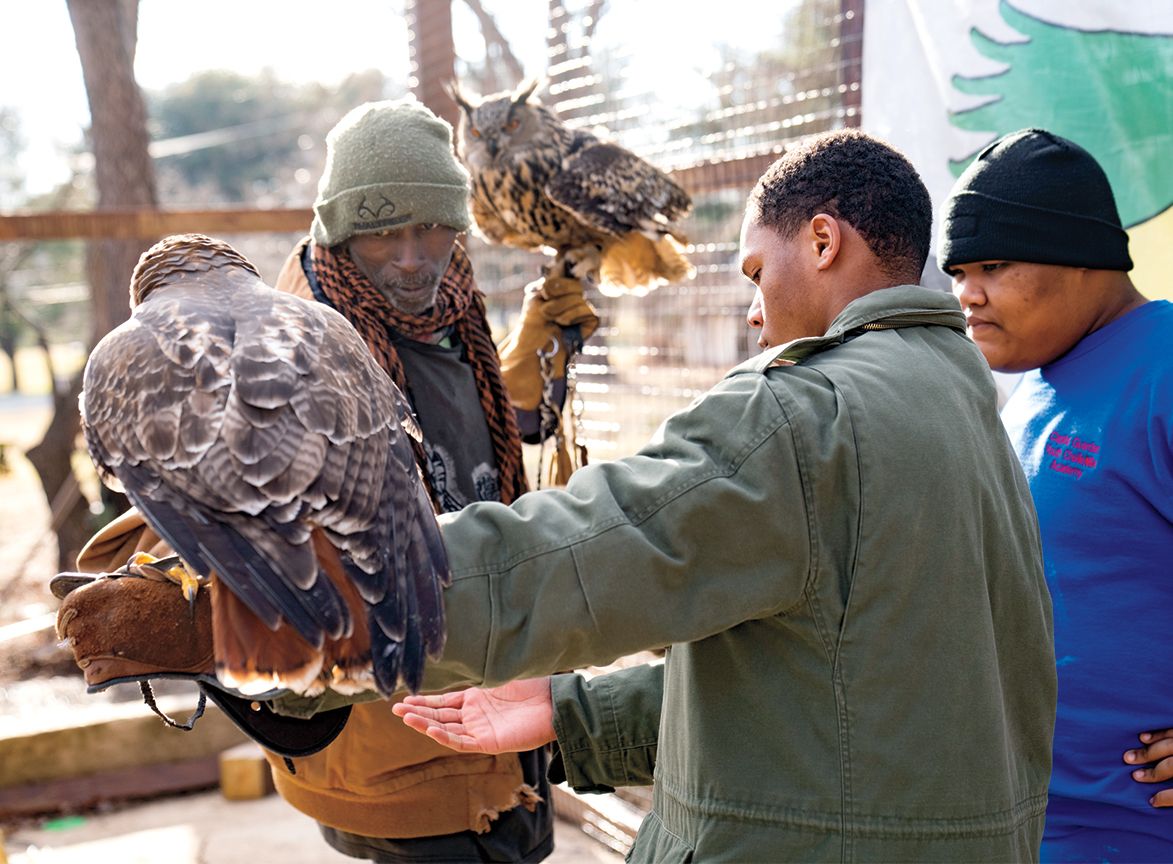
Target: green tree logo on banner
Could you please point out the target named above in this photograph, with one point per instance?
(1108, 90)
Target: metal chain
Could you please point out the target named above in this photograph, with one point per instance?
(149, 697)
(547, 411)
(550, 415)
(577, 429)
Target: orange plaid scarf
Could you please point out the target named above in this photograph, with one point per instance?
(458, 304)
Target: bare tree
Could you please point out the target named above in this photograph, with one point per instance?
(431, 49)
(563, 21)
(11, 255)
(106, 35)
(12, 319)
(590, 20)
(497, 52)
(15, 321)
(105, 31)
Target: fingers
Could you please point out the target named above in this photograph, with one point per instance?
(423, 724)
(416, 722)
(1164, 798)
(1158, 773)
(449, 734)
(1150, 737)
(1158, 759)
(433, 715)
(1157, 752)
(454, 699)
(461, 743)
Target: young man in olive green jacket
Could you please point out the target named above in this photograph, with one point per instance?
(839, 546)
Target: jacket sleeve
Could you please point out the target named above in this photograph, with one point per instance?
(291, 278)
(113, 545)
(707, 527)
(607, 728)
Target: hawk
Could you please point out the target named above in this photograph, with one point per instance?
(262, 441)
(610, 217)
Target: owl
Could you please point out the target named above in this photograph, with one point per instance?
(257, 435)
(609, 217)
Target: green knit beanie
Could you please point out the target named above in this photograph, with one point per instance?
(389, 164)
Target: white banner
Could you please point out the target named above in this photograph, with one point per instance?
(943, 78)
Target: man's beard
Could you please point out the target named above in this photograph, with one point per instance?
(412, 294)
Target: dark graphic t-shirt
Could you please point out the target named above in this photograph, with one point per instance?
(441, 387)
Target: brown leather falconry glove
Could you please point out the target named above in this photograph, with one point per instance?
(135, 625)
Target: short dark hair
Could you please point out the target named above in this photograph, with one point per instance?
(854, 177)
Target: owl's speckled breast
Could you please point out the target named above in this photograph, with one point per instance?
(511, 206)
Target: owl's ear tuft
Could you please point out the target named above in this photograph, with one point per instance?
(525, 90)
(453, 90)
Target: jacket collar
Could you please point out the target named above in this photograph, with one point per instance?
(886, 309)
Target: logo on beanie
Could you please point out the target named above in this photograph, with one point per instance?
(378, 215)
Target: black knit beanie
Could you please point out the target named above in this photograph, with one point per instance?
(1033, 196)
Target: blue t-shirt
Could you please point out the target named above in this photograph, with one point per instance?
(1094, 432)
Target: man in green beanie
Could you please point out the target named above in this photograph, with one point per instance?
(384, 250)
(1032, 238)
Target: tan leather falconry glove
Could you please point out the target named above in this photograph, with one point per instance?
(555, 321)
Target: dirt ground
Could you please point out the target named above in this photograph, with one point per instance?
(205, 828)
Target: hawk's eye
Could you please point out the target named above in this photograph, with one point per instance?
(512, 125)
(474, 132)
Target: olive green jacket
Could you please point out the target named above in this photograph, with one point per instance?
(844, 558)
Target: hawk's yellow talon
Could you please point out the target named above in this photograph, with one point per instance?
(140, 558)
(188, 581)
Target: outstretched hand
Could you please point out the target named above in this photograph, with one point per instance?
(1157, 755)
(515, 717)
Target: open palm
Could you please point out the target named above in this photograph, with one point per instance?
(514, 717)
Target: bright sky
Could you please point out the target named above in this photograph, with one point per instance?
(176, 40)
(302, 41)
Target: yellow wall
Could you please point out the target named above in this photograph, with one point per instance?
(1151, 247)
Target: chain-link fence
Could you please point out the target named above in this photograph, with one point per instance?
(712, 99)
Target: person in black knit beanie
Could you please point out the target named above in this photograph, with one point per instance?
(1039, 259)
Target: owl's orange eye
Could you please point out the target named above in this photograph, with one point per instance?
(512, 125)
(474, 132)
